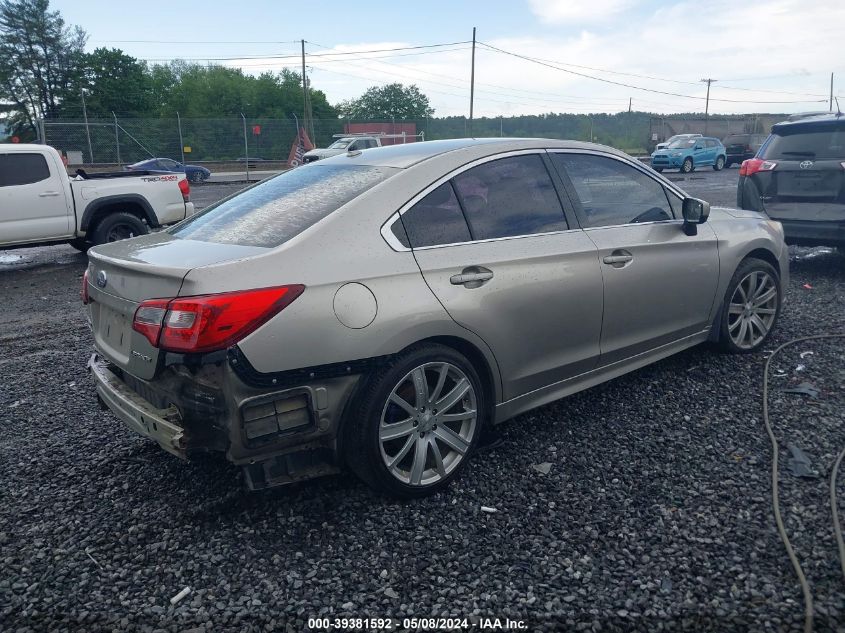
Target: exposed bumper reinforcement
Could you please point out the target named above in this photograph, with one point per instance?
(157, 424)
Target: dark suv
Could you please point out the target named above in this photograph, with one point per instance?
(740, 147)
(798, 178)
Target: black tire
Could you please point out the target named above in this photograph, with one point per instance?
(719, 165)
(196, 177)
(659, 170)
(687, 166)
(727, 320)
(118, 225)
(81, 245)
(362, 446)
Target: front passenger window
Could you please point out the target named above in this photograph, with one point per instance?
(613, 193)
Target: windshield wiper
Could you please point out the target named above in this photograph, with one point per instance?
(799, 153)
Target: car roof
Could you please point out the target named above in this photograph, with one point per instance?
(809, 122)
(408, 154)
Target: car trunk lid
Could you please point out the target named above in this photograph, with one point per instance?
(123, 274)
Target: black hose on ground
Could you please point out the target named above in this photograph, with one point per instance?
(837, 528)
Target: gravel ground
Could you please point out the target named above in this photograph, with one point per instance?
(655, 513)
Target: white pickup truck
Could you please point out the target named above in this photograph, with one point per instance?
(40, 204)
(343, 144)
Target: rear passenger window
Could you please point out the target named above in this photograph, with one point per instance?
(613, 193)
(22, 169)
(436, 219)
(509, 197)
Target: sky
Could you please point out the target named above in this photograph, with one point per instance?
(765, 55)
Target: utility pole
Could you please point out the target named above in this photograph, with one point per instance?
(472, 82)
(831, 92)
(707, 102)
(88, 130)
(304, 91)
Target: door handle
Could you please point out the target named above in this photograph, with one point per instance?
(48, 194)
(471, 277)
(618, 258)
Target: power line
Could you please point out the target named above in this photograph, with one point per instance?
(626, 85)
(334, 54)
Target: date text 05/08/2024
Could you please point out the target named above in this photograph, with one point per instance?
(416, 624)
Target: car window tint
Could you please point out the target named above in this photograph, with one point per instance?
(22, 169)
(280, 208)
(612, 192)
(436, 219)
(509, 197)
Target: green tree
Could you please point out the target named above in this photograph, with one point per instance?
(393, 101)
(116, 82)
(40, 62)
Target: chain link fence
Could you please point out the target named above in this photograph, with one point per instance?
(223, 143)
(122, 140)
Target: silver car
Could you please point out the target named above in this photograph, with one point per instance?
(378, 309)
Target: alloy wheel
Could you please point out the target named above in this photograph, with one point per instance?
(428, 424)
(752, 309)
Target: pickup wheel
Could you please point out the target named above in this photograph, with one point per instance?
(119, 225)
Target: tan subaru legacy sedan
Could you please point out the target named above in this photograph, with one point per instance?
(377, 309)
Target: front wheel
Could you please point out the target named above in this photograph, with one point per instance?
(687, 166)
(417, 422)
(119, 225)
(720, 163)
(659, 170)
(751, 307)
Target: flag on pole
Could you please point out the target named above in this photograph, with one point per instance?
(301, 144)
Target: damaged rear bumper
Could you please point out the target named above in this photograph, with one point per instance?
(161, 425)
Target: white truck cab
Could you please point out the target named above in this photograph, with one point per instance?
(40, 204)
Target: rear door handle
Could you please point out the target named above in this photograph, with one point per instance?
(471, 277)
(48, 194)
(618, 258)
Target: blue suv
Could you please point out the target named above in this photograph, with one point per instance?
(688, 153)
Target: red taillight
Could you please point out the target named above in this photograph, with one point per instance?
(148, 319)
(753, 165)
(83, 294)
(185, 188)
(210, 322)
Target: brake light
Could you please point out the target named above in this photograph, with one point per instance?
(753, 165)
(185, 188)
(83, 294)
(207, 323)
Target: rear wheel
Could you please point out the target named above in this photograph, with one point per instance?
(418, 421)
(117, 226)
(659, 170)
(720, 163)
(751, 307)
(687, 166)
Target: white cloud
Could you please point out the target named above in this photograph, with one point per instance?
(787, 45)
(568, 12)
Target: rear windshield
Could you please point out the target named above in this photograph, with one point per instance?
(271, 213)
(822, 145)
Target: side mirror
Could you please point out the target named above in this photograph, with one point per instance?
(695, 212)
